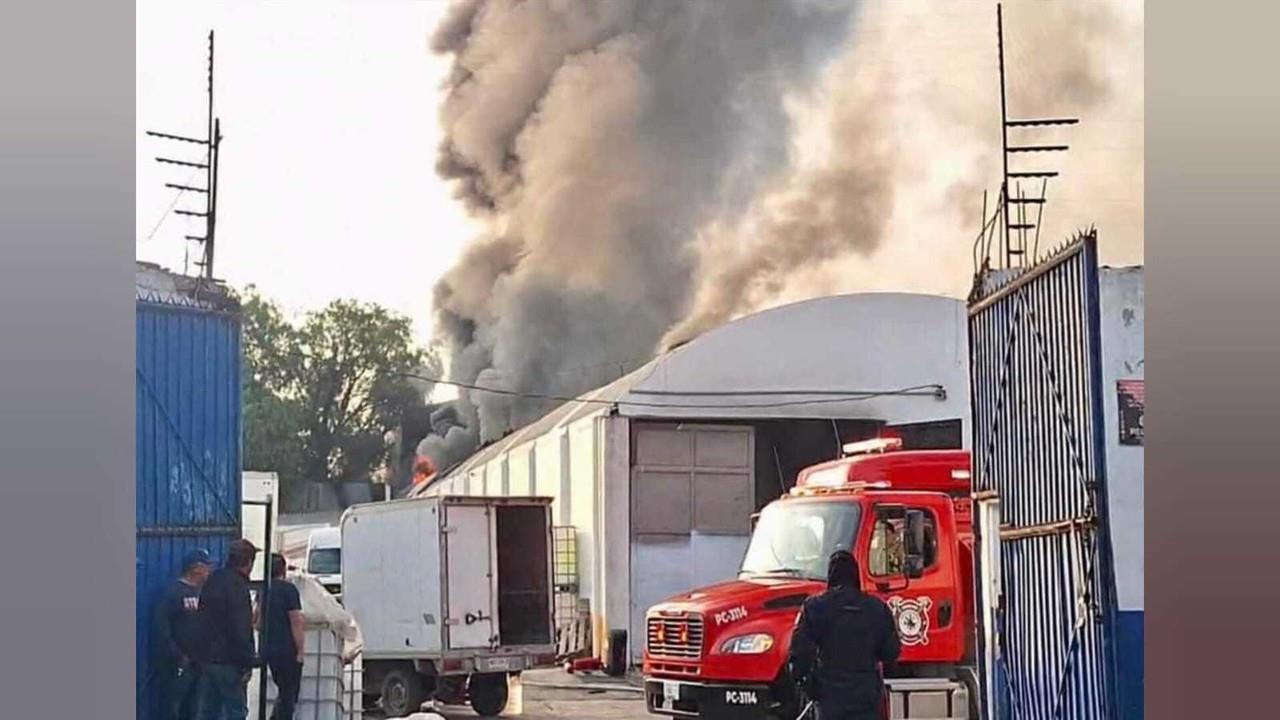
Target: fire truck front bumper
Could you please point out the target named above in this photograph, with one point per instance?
(730, 701)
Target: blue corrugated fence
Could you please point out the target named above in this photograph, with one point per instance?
(1038, 448)
(188, 415)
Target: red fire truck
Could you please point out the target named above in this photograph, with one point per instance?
(721, 651)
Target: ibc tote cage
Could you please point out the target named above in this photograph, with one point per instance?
(571, 618)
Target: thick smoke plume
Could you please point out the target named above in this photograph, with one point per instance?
(903, 136)
(595, 138)
(648, 169)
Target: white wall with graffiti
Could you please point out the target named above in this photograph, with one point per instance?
(1121, 307)
(1123, 366)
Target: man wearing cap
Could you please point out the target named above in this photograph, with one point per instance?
(841, 639)
(175, 629)
(226, 611)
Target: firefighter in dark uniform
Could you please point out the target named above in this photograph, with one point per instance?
(841, 639)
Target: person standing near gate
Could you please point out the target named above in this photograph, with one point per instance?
(283, 649)
(175, 628)
(226, 613)
(841, 639)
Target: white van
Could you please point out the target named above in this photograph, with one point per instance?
(324, 558)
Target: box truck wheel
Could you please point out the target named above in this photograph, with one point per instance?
(488, 694)
(403, 692)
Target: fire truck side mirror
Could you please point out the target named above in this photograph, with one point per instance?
(913, 566)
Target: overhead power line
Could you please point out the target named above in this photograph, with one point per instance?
(931, 390)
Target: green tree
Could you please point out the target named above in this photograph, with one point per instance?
(273, 412)
(322, 398)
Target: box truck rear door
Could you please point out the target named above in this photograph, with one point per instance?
(469, 614)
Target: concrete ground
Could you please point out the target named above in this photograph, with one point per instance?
(548, 704)
(555, 695)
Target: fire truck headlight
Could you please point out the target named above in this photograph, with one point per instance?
(747, 644)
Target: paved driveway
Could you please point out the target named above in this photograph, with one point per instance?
(553, 695)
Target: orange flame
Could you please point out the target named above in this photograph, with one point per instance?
(423, 470)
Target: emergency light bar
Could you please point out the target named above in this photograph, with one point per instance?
(836, 479)
(827, 477)
(873, 445)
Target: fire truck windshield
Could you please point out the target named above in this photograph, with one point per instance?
(796, 537)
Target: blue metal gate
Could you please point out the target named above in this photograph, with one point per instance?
(1038, 449)
(188, 449)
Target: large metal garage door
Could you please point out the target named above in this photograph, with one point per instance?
(692, 495)
(1039, 475)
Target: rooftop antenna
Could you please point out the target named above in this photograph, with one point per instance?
(1016, 227)
(211, 142)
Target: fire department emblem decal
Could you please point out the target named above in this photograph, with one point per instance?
(912, 618)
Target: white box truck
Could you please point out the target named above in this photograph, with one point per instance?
(258, 488)
(453, 596)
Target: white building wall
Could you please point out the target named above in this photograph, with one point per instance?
(493, 480)
(520, 467)
(582, 504)
(547, 473)
(615, 526)
(1123, 358)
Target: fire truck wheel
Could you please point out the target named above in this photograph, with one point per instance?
(488, 694)
(403, 692)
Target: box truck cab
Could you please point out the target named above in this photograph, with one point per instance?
(324, 558)
(721, 651)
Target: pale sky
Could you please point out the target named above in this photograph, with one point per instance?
(328, 109)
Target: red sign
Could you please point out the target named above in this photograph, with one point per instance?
(1131, 402)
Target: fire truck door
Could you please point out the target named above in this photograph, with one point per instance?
(927, 608)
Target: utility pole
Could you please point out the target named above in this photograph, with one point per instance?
(211, 142)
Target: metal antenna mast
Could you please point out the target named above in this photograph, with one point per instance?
(211, 142)
(1015, 231)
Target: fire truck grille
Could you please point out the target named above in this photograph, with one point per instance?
(675, 637)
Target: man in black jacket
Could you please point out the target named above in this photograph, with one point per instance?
(226, 612)
(283, 648)
(175, 631)
(840, 640)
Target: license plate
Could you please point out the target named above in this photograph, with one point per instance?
(671, 691)
(741, 697)
(500, 664)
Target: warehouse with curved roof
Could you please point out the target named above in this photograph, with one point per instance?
(655, 476)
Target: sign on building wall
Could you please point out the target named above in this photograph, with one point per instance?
(1131, 401)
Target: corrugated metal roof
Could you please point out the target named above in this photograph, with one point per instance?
(601, 400)
(803, 360)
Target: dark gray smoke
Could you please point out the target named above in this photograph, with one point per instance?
(594, 138)
(908, 127)
(648, 169)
